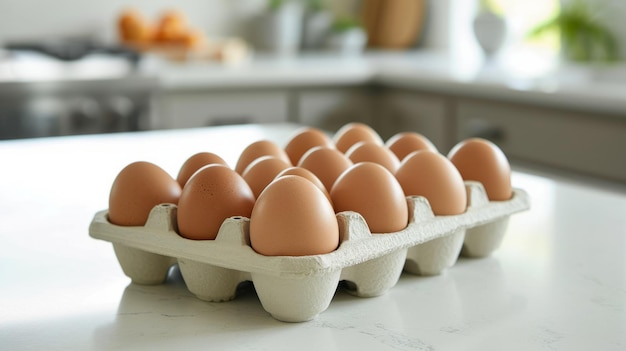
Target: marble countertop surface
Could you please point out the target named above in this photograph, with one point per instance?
(558, 282)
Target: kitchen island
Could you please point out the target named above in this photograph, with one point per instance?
(558, 281)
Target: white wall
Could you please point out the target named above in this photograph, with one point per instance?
(448, 27)
(36, 19)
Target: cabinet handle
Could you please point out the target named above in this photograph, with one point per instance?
(226, 120)
(493, 134)
(486, 131)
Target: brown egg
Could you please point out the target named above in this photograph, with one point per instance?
(137, 189)
(431, 175)
(404, 143)
(171, 27)
(127, 19)
(483, 161)
(282, 224)
(191, 39)
(258, 149)
(305, 173)
(305, 139)
(371, 190)
(352, 133)
(213, 194)
(326, 163)
(262, 171)
(365, 151)
(195, 162)
(133, 28)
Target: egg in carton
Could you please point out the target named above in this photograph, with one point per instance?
(298, 288)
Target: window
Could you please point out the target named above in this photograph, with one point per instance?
(523, 15)
(523, 53)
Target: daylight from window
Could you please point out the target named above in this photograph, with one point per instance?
(527, 54)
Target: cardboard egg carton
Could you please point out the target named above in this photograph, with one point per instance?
(296, 289)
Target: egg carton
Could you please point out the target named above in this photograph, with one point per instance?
(298, 288)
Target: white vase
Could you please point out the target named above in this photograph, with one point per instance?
(490, 31)
(279, 31)
(315, 28)
(348, 42)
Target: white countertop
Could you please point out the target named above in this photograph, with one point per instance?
(265, 72)
(593, 88)
(558, 282)
(588, 88)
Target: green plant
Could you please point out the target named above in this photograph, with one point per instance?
(315, 5)
(275, 4)
(343, 24)
(486, 5)
(492, 6)
(583, 37)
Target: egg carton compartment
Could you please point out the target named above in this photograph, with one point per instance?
(298, 288)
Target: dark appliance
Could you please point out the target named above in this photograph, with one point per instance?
(70, 87)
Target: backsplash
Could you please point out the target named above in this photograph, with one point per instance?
(36, 19)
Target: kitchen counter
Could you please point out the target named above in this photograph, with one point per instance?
(600, 89)
(265, 72)
(558, 282)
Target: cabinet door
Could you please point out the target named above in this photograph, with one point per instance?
(590, 144)
(427, 114)
(199, 109)
(331, 108)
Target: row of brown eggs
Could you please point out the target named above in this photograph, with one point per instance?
(291, 195)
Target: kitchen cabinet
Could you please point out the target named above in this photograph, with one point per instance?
(331, 108)
(589, 143)
(389, 111)
(198, 108)
(582, 142)
(425, 113)
(325, 108)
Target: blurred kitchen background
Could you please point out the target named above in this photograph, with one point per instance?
(545, 79)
